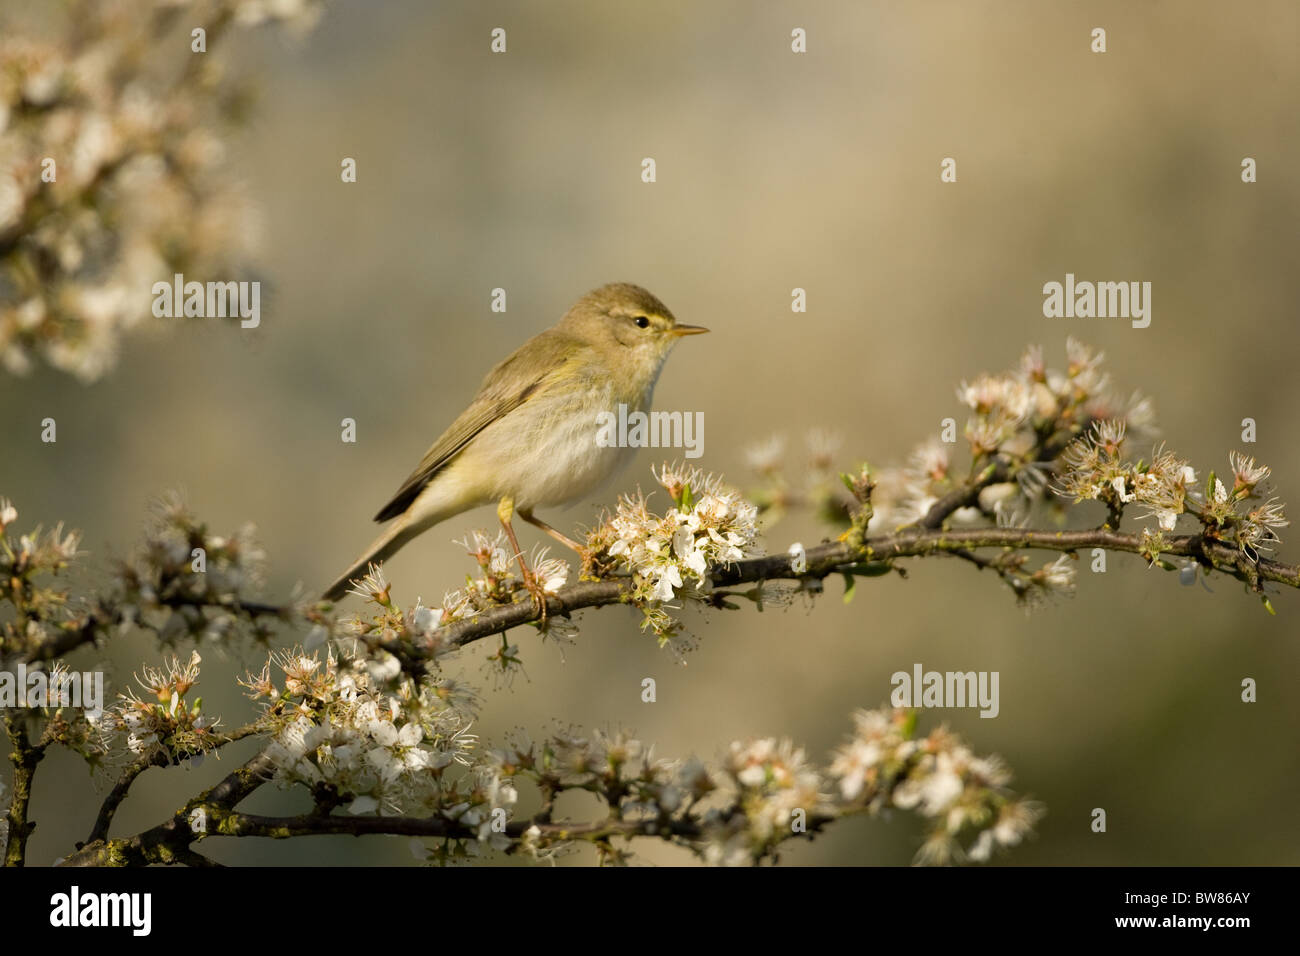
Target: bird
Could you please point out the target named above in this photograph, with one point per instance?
(529, 438)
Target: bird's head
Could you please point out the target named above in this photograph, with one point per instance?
(629, 325)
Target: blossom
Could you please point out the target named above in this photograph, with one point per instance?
(143, 188)
(1246, 474)
(551, 573)
(670, 555)
(962, 794)
(765, 456)
(383, 748)
(8, 514)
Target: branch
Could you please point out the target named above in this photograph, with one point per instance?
(828, 559)
(1032, 431)
(24, 758)
(155, 758)
(769, 792)
(120, 789)
(169, 841)
(108, 614)
(174, 845)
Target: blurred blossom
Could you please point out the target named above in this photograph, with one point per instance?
(963, 795)
(138, 189)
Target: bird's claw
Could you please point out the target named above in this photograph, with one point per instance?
(534, 587)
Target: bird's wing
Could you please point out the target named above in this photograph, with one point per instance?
(502, 391)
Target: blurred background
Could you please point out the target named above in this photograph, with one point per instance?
(774, 171)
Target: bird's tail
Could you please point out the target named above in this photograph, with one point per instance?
(380, 550)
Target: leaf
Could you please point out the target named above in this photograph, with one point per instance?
(869, 569)
(849, 585)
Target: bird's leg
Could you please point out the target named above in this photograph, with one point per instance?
(505, 511)
(584, 553)
(558, 535)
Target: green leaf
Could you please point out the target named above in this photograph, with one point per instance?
(869, 569)
(849, 585)
(1268, 605)
(687, 501)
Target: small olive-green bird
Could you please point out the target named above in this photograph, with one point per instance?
(529, 438)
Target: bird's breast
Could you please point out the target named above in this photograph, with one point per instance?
(560, 449)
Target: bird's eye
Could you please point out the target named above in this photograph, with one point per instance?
(642, 322)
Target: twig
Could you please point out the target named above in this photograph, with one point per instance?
(157, 758)
(828, 559)
(24, 758)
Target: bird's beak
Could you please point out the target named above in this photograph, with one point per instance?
(687, 330)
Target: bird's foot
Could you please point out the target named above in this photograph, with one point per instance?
(595, 564)
(534, 587)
